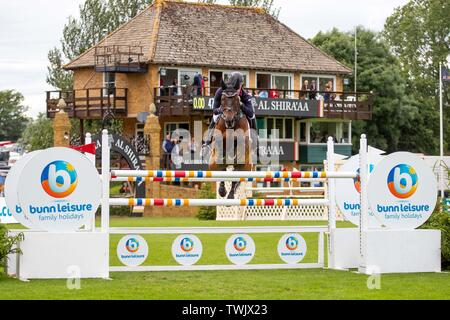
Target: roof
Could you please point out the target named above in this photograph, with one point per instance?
(194, 34)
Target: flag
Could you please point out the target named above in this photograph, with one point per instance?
(445, 74)
(89, 148)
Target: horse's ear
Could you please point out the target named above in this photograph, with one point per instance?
(236, 86)
(223, 84)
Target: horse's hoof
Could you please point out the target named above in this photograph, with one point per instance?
(231, 196)
(222, 191)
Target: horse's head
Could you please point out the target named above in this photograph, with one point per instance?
(231, 104)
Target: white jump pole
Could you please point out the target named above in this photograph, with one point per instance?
(106, 177)
(217, 202)
(233, 174)
(190, 180)
(91, 157)
(331, 186)
(364, 202)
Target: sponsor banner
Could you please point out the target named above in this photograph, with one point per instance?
(272, 107)
(11, 190)
(6, 216)
(402, 191)
(283, 151)
(348, 191)
(292, 248)
(60, 190)
(132, 250)
(123, 147)
(187, 250)
(240, 249)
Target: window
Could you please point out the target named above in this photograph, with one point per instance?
(275, 81)
(171, 127)
(187, 77)
(285, 127)
(340, 131)
(282, 83)
(321, 81)
(109, 83)
(303, 132)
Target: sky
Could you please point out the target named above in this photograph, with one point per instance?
(30, 28)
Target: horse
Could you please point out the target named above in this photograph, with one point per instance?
(232, 120)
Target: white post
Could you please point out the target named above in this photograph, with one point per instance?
(105, 180)
(364, 216)
(91, 157)
(331, 186)
(88, 140)
(441, 159)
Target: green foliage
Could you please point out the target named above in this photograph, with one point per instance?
(7, 243)
(12, 118)
(93, 127)
(419, 34)
(440, 220)
(268, 5)
(97, 19)
(207, 213)
(56, 76)
(379, 71)
(38, 134)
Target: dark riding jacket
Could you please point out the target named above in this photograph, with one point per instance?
(248, 103)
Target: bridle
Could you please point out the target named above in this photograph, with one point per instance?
(238, 116)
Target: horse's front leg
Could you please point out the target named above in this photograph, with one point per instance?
(234, 186)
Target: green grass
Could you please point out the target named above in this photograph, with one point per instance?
(259, 285)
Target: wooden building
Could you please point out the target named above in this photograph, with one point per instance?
(154, 58)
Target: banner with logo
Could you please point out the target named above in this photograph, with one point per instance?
(57, 189)
(402, 191)
(6, 216)
(348, 201)
(272, 107)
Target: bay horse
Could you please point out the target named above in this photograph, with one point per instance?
(234, 129)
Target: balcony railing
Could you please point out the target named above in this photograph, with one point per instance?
(115, 58)
(89, 103)
(178, 101)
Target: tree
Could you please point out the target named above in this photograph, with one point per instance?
(97, 19)
(268, 5)
(419, 34)
(38, 135)
(379, 71)
(12, 115)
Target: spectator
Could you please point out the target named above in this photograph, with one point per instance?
(175, 87)
(256, 94)
(305, 89)
(264, 94)
(313, 90)
(328, 89)
(274, 94)
(197, 86)
(167, 147)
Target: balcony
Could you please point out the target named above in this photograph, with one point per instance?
(89, 103)
(187, 100)
(119, 59)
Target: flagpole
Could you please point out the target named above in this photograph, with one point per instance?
(441, 113)
(356, 59)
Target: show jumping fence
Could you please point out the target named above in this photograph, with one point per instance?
(157, 176)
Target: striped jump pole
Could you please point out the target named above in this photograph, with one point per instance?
(218, 202)
(220, 175)
(187, 180)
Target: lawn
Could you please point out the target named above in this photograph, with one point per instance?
(259, 285)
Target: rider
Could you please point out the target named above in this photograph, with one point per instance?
(248, 104)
